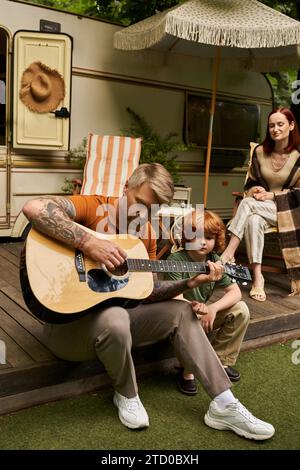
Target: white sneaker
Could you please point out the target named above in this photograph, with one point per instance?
(131, 411)
(238, 419)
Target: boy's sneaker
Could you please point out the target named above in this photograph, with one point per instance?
(238, 419)
(187, 386)
(131, 411)
(232, 373)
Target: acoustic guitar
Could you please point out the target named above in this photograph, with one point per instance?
(65, 281)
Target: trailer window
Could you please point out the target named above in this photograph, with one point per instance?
(235, 123)
(3, 81)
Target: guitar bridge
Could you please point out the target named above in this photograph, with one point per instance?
(80, 266)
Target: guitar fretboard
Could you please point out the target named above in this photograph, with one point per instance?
(166, 266)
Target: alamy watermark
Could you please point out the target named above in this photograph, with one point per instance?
(132, 220)
(295, 97)
(2, 352)
(296, 354)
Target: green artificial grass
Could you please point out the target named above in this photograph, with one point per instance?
(269, 387)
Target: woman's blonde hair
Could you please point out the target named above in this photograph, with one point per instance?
(158, 178)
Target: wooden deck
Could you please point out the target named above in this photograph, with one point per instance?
(32, 375)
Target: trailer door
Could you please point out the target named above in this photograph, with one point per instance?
(41, 130)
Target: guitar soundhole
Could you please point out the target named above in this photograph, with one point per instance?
(99, 281)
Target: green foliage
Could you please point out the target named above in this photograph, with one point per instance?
(155, 148)
(113, 10)
(287, 7)
(78, 154)
(68, 186)
(131, 11)
(81, 7)
(122, 11)
(282, 81)
(282, 87)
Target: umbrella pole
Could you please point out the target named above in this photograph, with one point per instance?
(211, 120)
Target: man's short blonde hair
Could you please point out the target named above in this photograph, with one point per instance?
(158, 178)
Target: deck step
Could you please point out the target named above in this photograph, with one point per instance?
(58, 380)
(71, 388)
(264, 327)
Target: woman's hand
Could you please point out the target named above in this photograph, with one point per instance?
(255, 190)
(264, 196)
(206, 314)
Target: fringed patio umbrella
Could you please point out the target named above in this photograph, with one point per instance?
(249, 32)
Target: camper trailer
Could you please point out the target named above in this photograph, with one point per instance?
(171, 92)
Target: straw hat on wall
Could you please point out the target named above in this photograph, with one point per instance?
(42, 88)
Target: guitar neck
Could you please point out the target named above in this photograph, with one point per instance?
(166, 266)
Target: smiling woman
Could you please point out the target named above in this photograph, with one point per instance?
(272, 190)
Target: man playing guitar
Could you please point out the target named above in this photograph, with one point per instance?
(110, 332)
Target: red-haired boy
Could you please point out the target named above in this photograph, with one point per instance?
(228, 314)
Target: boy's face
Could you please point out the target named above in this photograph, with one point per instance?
(202, 246)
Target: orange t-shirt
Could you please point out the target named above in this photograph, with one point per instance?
(92, 210)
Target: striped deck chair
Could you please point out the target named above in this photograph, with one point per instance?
(109, 163)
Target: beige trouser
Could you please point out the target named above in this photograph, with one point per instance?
(110, 334)
(231, 324)
(251, 220)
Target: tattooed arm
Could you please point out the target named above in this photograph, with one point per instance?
(166, 290)
(55, 217)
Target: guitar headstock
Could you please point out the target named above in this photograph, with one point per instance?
(238, 272)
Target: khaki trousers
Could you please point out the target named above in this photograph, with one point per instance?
(231, 324)
(251, 220)
(110, 334)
